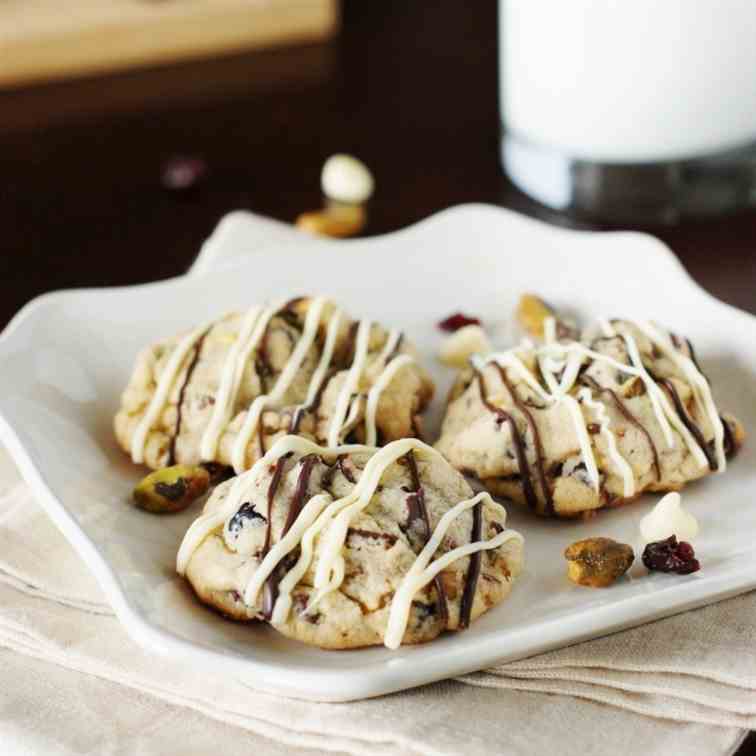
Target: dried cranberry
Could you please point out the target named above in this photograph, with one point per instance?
(671, 556)
(457, 321)
(181, 173)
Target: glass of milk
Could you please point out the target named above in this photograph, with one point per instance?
(630, 110)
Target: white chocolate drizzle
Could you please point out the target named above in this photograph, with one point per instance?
(159, 398)
(569, 369)
(620, 463)
(374, 395)
(230, 380)
(549, 329)
(254, 413)
(566, 357)
(663, 410)
(586, 448)
(322, 512)
(392, 342)
(288, 543)
(606, 328)
(355, 407)
(421, 572)
(698, 383)
(351, 382)
(245, 345)
(325, 361)
(654, 392)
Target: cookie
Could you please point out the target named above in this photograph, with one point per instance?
(572, 426)
(226, 391)
(349, 546)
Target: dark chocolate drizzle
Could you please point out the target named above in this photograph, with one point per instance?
(270, 592)
(327, 478)
(522, 461)
(687, 420)
(262, 362)
(694, 360)
(628, 415)
(351, 343)
(302, 410)
(389, 539)
(275, 481)
(549, 501)
(263, 370)
(678, 342)
(263, 366)
(730, 447)
(417, 511)
(261, 434)
(300, 492)
(473, 570)
(296, 418)
(331, 471)
(345, 471)
(187, 378)
(396, 349)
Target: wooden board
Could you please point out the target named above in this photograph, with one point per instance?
(50, 39)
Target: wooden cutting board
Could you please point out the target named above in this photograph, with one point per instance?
(51, 39)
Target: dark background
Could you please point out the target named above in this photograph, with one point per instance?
(408, 87)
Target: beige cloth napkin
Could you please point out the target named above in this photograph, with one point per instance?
(73, 682)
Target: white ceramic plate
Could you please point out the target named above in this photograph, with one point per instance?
(66, 356)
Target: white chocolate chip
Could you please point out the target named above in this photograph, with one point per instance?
(457, 348)
(668, 518)
(346, 179)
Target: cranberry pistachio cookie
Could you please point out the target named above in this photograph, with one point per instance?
(224, 392)
(584, 421)
(350, 546)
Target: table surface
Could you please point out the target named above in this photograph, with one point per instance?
(411, 91)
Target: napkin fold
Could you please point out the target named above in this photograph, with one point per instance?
(689, 680)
